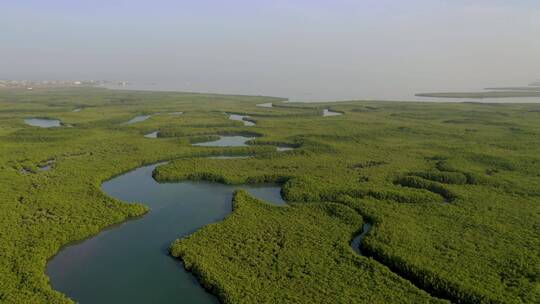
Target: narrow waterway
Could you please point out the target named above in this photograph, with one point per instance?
(357, 241)
(229, 157)
(243, 119)
(283, 148)
(152, 134)
(327, 112)
(137, 119)
(226, 141)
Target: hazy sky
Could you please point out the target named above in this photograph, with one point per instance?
(334, 49)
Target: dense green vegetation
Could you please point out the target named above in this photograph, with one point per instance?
(452, 191)
(295, 254)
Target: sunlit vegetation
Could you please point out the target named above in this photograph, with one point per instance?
(295, 254)
(452, 191)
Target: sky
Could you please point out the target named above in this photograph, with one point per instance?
(301, 49)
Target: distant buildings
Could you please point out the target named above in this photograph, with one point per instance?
(30, 84)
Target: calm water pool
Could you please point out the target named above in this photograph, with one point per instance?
(43, 122)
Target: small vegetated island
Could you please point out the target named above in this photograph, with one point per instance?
(442, 200)
(532, 90)
(517, 92)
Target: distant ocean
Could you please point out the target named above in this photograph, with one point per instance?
(309, 97)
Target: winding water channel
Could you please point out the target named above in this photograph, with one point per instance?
(357, 241)
(129, 263)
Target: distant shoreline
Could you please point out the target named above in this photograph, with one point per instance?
(503, 97)
(482, 95)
